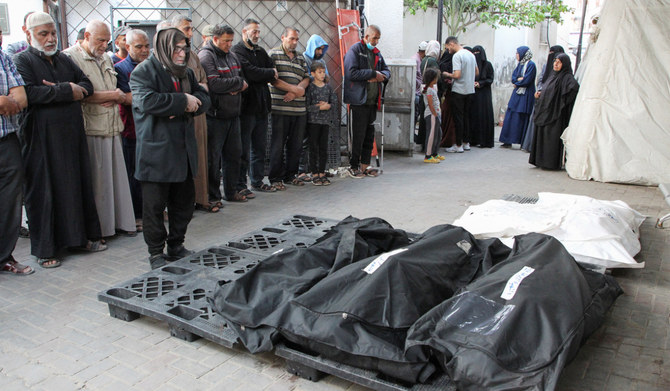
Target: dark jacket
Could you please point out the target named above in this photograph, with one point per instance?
(166, 146)
(357, 72)
(259, 71)
(224, 76)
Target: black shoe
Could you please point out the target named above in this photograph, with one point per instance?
(157, 260)
(178, 252)
(24, 232)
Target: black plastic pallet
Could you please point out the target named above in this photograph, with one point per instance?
(177, 293)
(314, 368)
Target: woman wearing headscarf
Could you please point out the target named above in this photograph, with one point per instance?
(521, 102)
(482, 124)
(447, 123)
(552, 114)
(547, 69)
(429, 61)
(166, 97)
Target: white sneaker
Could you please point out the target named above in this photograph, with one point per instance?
(460, 149)
(452, 149)
(466, 146)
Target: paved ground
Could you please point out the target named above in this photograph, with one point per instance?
(57, 336)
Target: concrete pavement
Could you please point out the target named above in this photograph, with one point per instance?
(56, 335)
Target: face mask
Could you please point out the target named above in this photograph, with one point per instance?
(250, 42)
(370, 46)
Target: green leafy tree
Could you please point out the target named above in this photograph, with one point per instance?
(460, 14)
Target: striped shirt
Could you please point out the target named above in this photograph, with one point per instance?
(9, 78)
(293, 71)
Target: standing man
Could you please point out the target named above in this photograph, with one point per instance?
(12, 101)
(185, 25)
(256, 104)
(103, 126)
(137, 45)
(288, 110)
(206, 35)
(225, 81)
(364, 73)
(418, 57)
(17, 47)
(58, 190)
(462, 92)
(120, 44)
(166, 96)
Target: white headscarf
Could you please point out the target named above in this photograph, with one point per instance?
(433, 49)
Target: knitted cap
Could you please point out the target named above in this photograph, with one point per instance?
(37, 19)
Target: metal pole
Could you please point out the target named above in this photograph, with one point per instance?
(581, 35)
(440, 10)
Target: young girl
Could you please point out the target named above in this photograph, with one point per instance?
(432, 115)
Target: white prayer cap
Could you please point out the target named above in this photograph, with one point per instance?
(37, 19)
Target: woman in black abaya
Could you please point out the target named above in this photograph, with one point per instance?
(481, 115)
(552, 115)
(547, 71)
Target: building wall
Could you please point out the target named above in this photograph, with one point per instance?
(388, 16)
(17, 10)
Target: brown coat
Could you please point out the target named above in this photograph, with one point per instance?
(200, 179)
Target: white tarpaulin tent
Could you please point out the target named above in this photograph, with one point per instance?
(620, 126)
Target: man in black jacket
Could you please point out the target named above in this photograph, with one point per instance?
(166, 97)
(225, 81)
(364, 72)
(259, 71)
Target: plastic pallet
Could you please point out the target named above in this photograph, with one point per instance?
(306, 225)
(177, 294)
(520, 199)
(314, 368)
(270, 240)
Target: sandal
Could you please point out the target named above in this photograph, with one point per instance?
(317, 181)
(279, 186)
(305, 177)
(237, 197)
(373, 172)
(297, 182)
(93, 247)
(265, 188)
(48, 263)
(248, 193)
(325, 181)
(17, 269)
(138, 225)
(211, 208)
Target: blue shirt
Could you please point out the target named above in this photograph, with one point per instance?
(123, 69)
(9, 79)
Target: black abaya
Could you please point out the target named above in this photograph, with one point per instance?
(482, 124)
(552, 115)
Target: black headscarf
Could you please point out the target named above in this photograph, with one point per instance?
(553, 52)
(558, 94)
(480, 56)
(165, 42)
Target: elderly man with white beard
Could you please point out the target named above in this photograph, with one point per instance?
(103, 127)
(58, 189)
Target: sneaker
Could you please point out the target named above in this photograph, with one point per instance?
(452, 149)
(466, 146)
(356, 174)
(439, 157)
(157, 260)
(460, 149)
(431, 160)
(178, 252)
